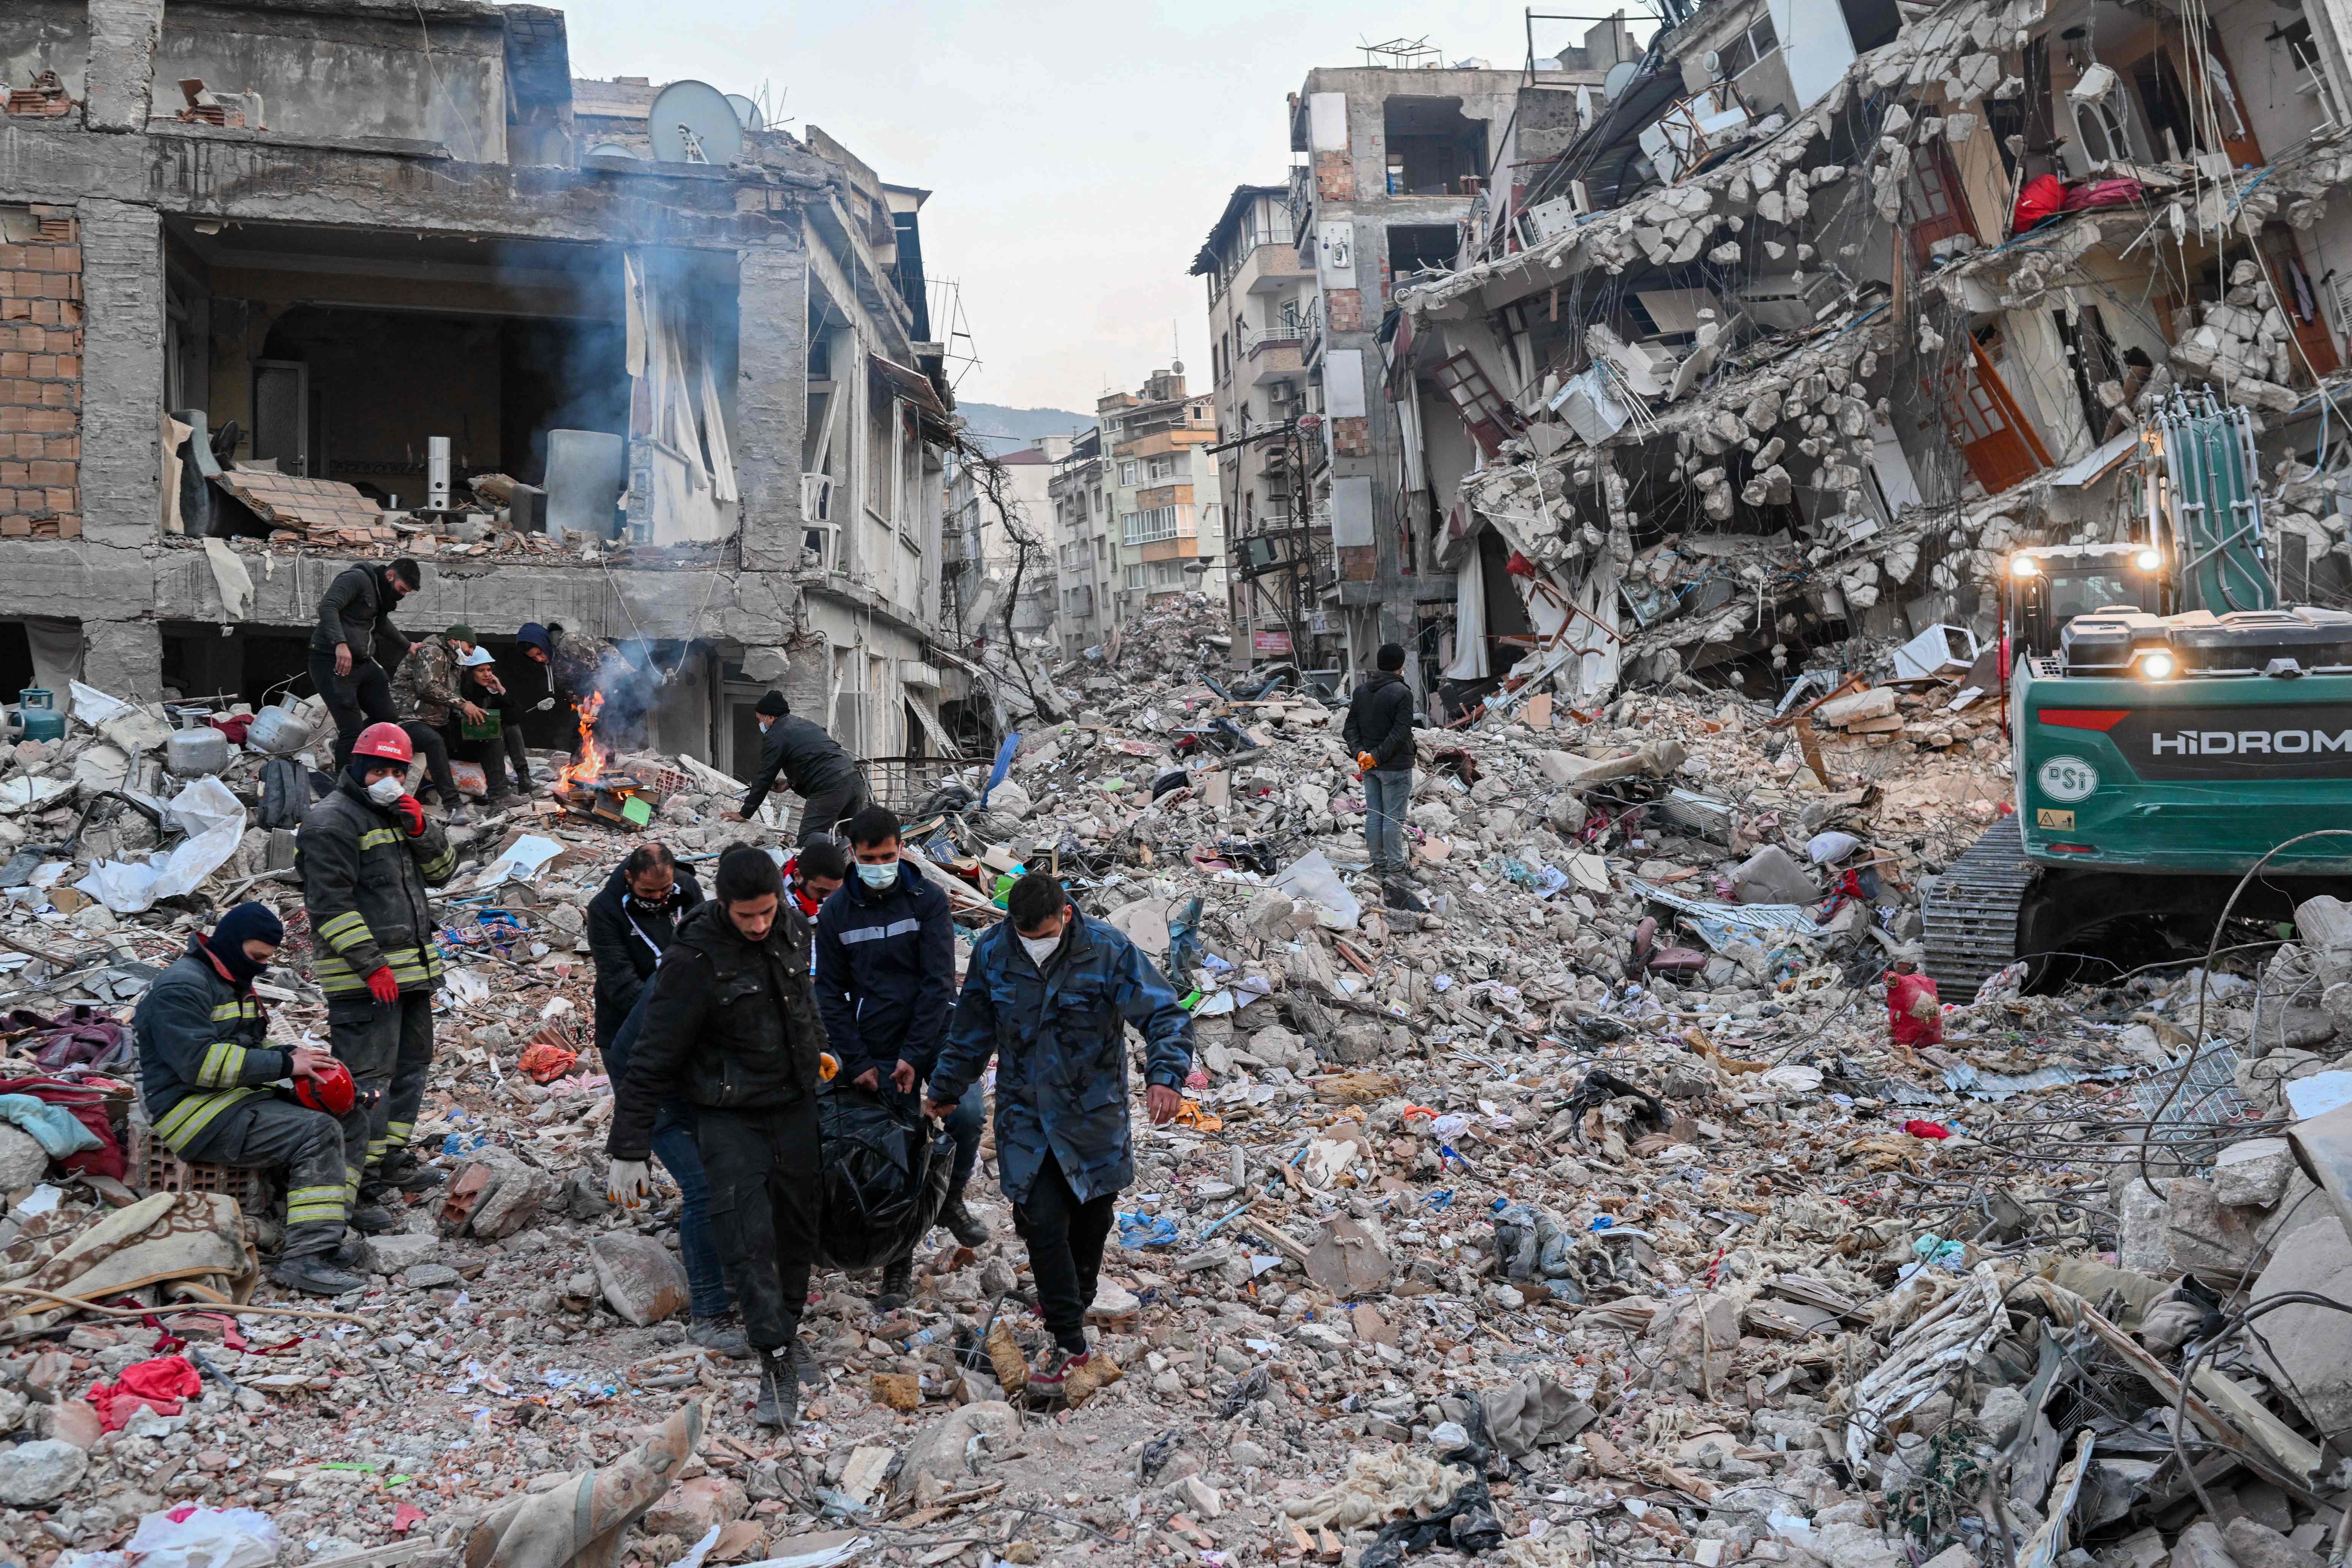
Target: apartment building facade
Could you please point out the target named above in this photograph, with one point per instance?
(1167, 516)
(1084, 543)
(216, 288)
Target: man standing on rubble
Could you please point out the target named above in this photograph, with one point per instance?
(572, 659)
(427, 686)
(731, 1027)
(885, 981)
(1049, 992)
(1380, 732)
(205, 1068)
(348, 646)
(814, 766)
(368, 856)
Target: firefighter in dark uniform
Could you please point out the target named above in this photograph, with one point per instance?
(204, 1071)
(368, 853)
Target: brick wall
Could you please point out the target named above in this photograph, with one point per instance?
(40, 373)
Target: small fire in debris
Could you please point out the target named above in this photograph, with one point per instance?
(592, 757)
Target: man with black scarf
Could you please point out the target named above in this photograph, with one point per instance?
(631, 923)
(205, 1072)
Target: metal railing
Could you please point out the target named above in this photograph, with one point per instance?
(1302, 201)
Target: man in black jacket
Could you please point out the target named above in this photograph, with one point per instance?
(1380, 732)
(731, 1027)
(356, 646)
(814, 766)
(885, 981)
(630, 924)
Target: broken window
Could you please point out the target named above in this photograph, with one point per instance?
(1434, 149)
(2000, 446)
(1932, 205)
(1745, 48)
(1416, 247)
(1492, 421)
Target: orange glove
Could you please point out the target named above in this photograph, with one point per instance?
(826, 1065)
(383, 986)
(411, 811)
(1363, 762)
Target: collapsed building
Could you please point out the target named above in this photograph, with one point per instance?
(290, 282)
(1825, 305)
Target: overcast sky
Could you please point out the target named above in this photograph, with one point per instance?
(1076, 151)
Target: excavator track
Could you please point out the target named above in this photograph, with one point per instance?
(1971, 917)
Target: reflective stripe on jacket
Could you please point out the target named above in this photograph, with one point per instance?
(200, 1047)
(364, 883)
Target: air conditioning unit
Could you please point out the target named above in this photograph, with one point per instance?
(1279, 393)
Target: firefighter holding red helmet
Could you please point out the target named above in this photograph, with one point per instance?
(369, 856)
(207, 1071)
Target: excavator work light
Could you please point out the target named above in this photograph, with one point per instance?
(2156, 666)
(2148, 559)
(2024, 566)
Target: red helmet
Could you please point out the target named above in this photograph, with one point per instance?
(387, 741)
(332, 1089)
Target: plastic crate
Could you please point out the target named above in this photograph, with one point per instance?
(161, 1171)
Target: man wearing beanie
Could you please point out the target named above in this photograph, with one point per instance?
(732, 1028)
(814, 766)
(206, 1072)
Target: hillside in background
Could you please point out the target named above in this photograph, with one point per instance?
(1002, 429)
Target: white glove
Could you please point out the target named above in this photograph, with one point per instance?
(542, 705)
(629, 1183)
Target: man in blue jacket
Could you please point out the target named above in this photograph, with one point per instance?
(885, 981)
(1049, 993)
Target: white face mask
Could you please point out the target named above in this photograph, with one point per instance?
(881, 876)
(1040, 948)
(386, 790)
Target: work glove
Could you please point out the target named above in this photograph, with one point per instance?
(629, 1183)
(411, 811)
(1364, 761)
(827, 1064)
(383, 986)
(542, 705)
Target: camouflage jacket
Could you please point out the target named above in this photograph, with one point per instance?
(426, 684)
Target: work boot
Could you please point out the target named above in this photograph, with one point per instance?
(780, 1388)
(810, 1370)
(897, 1284)
(316, 1274)
(404, 1169)
(373, 1219)
(961, 1222)
(720, 1337)
(350, 1252)
(1398, 896)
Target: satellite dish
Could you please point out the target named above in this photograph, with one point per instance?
(614, 150)
(1714, 64)
(692, 122)
(747, 112)
(1621, 76)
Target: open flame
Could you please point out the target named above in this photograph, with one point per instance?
(590, 764)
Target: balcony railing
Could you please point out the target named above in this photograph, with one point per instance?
(1302, 201)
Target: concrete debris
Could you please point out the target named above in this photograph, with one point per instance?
(1598, 1180)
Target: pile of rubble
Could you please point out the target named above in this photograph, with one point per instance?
(1633, 1204)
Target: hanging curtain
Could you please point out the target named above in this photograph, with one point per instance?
(1469, 623)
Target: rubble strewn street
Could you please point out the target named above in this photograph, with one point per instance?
(1604, 1212)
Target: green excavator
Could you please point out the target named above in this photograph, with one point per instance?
(2170, 722)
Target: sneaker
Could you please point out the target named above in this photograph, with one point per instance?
(780, 1389)
(897, 1284)
(1052, 1369)
(316, 1274)
(961, 1222)
(373, 1219)
(720, 1337)
(460, 815)
(811, 1370)
(1398, 896)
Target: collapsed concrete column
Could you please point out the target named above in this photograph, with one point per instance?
(122, 372)
(772, 397)
(120, 87)
(123, 658)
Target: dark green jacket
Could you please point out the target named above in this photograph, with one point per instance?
(200, 1047)
(364, 883)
